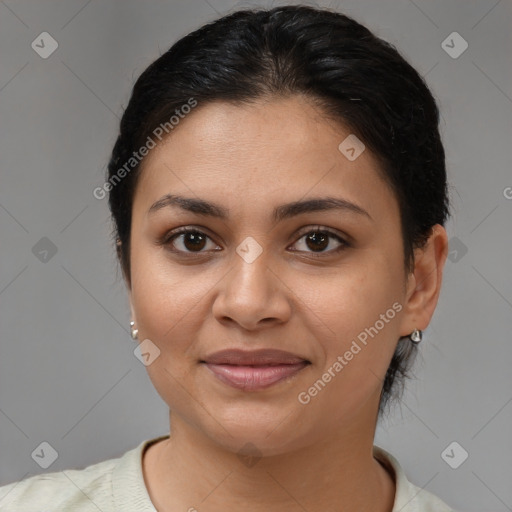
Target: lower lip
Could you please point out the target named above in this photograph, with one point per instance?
(254, 378)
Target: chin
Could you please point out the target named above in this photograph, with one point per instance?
(257, 433)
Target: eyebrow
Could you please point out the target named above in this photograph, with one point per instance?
(285, 211)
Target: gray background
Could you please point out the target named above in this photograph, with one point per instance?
(68, 374)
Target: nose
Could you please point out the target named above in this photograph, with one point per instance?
(252, 295)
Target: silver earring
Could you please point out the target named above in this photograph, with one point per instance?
(416, 336)
(135, 332)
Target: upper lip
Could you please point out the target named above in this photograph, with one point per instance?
(253, 357)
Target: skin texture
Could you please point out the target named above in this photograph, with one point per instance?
(294, 296)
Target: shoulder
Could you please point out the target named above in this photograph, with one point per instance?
(428, 502)
(74, 489)
(409, 497)
(80, 490)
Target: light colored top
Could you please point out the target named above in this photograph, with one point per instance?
(117, 485)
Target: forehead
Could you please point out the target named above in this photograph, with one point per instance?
(270, 150)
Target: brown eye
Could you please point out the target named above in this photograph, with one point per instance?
(194, 241)
(318, 240)
(187, 240)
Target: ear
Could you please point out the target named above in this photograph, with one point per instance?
(424, 282)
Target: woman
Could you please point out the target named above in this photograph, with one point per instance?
(278, 192)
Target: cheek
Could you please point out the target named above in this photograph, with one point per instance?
(167, 299)
(354, 296)
(169, 304)
(357, 343)
(355, 311)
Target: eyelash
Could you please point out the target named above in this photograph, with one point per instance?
(169, 238)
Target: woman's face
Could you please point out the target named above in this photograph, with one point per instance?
(254, 279)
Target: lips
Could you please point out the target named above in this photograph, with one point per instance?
(253, 370)
(254, 357)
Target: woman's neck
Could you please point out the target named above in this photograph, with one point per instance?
(188, 471)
